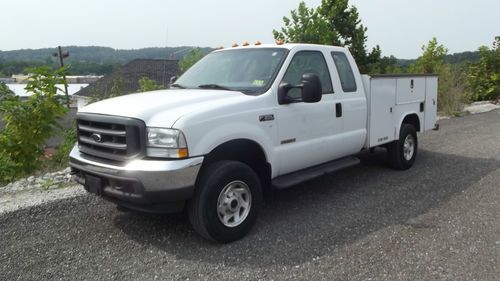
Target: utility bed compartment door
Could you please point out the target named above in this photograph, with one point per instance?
(410, 90)
(382, 104)
(431, 102)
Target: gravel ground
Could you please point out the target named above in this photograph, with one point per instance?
(33, 191)
(439, 220)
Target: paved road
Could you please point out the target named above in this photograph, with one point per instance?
(437, 221)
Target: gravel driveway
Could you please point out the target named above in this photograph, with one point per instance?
(439, 220)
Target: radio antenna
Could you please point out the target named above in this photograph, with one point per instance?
(164, 76)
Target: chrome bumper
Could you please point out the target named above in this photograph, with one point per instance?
(149, 180)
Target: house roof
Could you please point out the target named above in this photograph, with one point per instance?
(130, 73)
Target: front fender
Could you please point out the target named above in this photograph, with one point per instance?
(202, 142)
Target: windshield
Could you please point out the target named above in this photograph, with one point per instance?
(250, 71)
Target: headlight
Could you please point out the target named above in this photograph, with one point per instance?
(166, 143)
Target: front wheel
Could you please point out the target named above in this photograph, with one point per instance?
(402, 153)
(227, 201)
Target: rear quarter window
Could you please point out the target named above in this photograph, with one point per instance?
(345, 72)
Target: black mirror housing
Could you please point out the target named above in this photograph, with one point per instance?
(283, 89)
(311, 88)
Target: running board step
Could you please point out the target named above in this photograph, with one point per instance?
(313, 172)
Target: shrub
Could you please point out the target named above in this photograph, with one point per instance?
(483, 77)
(69, 139)
(190, 59)
(146, 85)
(451, 90)
(28, 124)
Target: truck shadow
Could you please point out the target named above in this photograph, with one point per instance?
(313, 219)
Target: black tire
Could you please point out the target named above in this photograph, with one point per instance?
(203, 208)
(396, 150)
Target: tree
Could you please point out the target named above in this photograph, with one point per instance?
(387, 65)
(334, 22)
(146, 85)
(5, 91)
(432, 59)
(450, 88)
(483, 77)
(190, 59)
(306, 25)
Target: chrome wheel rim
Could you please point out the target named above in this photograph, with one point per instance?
(409, 147)
(233, 205)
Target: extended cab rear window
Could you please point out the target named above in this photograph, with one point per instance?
(345, 72)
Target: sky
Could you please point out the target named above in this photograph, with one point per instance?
(400, 27)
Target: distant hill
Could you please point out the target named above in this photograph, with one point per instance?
(457, 58)
(100, 55)
(85, 60)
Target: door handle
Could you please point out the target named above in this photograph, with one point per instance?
(338, 109)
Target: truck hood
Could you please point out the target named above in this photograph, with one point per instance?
(163, 108)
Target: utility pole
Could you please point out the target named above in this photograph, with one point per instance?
(61, 56)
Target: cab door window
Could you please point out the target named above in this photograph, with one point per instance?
(308, 62)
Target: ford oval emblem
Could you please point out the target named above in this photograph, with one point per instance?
(96, 137)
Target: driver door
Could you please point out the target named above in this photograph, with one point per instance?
(307, 132)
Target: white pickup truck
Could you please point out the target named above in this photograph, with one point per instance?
(243, 120)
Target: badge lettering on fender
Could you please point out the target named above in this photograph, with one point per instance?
(268, 117)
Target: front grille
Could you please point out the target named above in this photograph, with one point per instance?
(110, 137)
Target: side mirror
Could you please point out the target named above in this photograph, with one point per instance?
(283, 97)
(311, 88)
(173, 79)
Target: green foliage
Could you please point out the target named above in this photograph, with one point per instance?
(61, 158)
(305, 25)
(432, 60)
(91, 68)
(451, 88)
(483, 77)
(117, 89)
(8, 68)
(4, 91)
(28, 124)
(146, 85)
(334, 22)
(387, 65)
(190, 59)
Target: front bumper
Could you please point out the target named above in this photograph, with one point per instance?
(146, 185)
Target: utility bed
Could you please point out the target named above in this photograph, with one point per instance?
(391, 97)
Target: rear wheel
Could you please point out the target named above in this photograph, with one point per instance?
(227, 201)
(402, 153)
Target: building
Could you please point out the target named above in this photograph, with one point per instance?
(6, 80)
(158, 70)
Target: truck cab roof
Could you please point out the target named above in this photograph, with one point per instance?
(288, 46)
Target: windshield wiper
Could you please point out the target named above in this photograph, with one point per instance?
(215, 87)
(178, 86)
